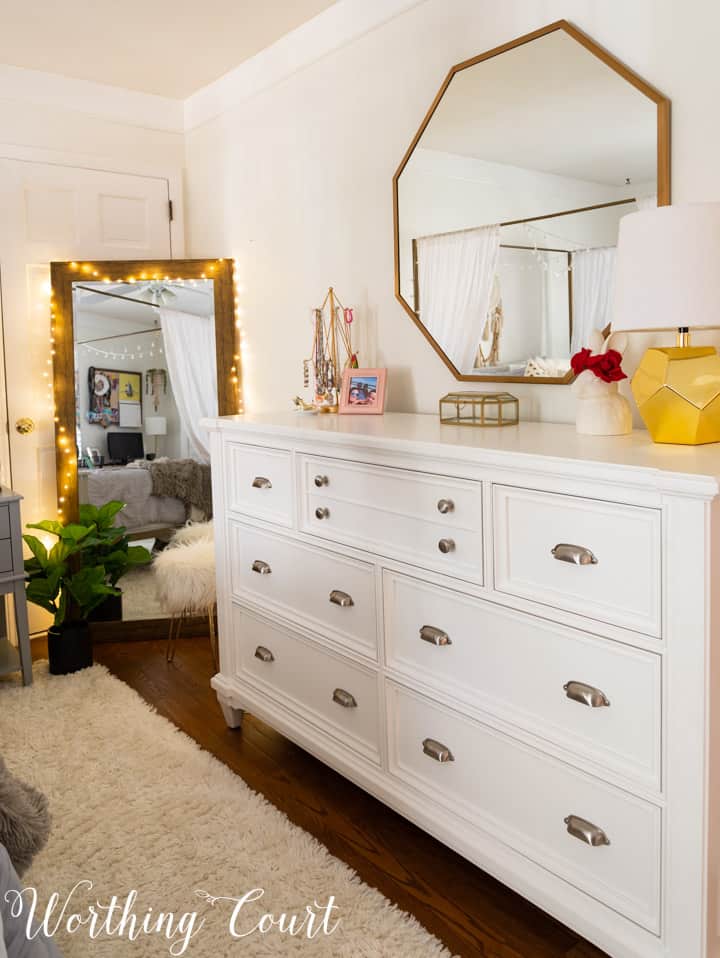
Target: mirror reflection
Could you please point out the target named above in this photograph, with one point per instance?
(509, 205)
(145, 375)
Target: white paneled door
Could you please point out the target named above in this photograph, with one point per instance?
(54, 212)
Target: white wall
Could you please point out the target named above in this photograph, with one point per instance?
(295, 180)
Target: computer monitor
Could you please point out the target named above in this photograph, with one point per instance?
(125, 446)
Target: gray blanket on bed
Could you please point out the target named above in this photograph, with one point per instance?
(183, 479)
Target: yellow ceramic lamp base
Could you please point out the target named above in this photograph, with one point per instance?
(677, 390)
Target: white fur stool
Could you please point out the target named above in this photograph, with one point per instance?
(185, 581)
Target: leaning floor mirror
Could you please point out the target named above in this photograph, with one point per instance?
(509, 198)
(143, 351)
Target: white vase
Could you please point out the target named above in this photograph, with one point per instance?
(601, 410)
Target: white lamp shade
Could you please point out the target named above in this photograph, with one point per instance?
(155, 426)
(668, 268)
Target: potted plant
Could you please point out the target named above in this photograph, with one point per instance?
(73, 578)
(114, 552)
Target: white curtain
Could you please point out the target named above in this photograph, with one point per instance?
(593, 283)
(190, 354)
(455, 279)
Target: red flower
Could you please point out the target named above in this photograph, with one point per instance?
(606, 366)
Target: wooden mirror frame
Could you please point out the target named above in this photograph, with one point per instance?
(63, 275)
(663, 173)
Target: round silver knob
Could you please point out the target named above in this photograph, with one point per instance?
(446, 545)
(321, 512)
(445, 506)
(321, 481)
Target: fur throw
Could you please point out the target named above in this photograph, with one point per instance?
(24, 819)
(183, 479)
(192, 532)
(185, 577)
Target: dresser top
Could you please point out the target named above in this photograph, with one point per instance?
(690, 469)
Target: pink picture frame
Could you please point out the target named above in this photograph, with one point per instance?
(362, 392)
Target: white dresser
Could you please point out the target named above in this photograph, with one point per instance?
(509, 636)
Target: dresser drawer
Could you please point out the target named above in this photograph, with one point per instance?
(336, 695)
(597, 559)
(523, 798)
(4, 522)
(416, 517)
(551, 680)
(6, 559)
(260, 482)
(327, 593)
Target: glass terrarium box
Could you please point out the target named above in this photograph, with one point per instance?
(479, 409)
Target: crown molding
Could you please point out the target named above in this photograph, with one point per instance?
(338, 25)
(145, 110)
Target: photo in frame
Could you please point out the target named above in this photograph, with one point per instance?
(363, 391)
(115, 397)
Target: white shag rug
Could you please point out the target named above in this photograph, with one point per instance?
(138, 805)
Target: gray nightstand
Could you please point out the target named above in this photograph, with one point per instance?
(12, 580)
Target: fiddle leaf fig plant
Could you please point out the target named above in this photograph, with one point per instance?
(82, 568)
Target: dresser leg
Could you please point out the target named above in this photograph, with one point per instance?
(233, 716)
(23, 632)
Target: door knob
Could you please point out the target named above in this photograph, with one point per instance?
(445, 506)
(25, 426)
(446, 545)
(322, 512)
(321, 481)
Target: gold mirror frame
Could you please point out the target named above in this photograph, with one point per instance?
(663, 172)
(63, 275)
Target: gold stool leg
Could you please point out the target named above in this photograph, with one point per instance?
(173, 634)
(213, 637)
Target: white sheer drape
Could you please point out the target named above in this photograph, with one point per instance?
(593, 282)
(455, 279)
(190, 354)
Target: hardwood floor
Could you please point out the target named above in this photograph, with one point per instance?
(474, 915)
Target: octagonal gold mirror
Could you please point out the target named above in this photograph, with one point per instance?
(508, 201)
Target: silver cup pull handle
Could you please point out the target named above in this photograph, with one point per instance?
(428, 633)
(262, 568)
(260, 482)
(438, 751)
(585, 831)
(265, 655)
(341, 598)
(446, 545)
(578, 555)
(586, 694)
(346, 699)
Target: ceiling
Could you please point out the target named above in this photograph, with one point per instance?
(164, 47)
(552, 106)
(98, 315)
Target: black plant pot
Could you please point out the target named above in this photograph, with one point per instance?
(69, 648)
(110, 610)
